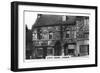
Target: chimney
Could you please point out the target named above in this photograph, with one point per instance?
(63, 18)
(39, 15)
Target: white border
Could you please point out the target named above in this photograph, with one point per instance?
(48, 63)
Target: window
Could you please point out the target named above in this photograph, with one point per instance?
(39, 52)
(84, 50)
(50, 51)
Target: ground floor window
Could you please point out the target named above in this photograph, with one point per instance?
(84, 50)
(50, 51)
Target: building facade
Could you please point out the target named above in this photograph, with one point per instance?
(60, 35)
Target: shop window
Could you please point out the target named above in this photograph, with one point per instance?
(39, 52)
(84, 50)
(71, 49)
(50, 51)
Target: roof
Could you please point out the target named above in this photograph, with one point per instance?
(44, 20)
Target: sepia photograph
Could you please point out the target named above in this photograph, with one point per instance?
(56, 36)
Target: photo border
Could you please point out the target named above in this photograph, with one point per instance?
(14, 35)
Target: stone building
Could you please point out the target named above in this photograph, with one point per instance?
(60, 35)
